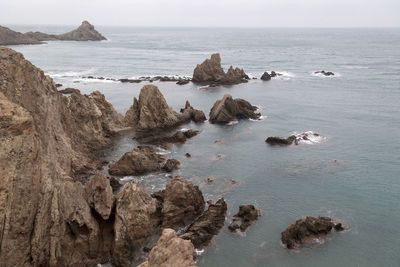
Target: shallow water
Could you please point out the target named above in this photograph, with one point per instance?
(352, 175)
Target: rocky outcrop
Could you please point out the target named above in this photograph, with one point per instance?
(179, 137)
(171, 165)
(228, 109)
(10, 37)
(266, 76)
(207, 225)
(324, 73)
(211, 72)
(85, 32)
(100, 195)
(69, 91)
(305, 229)
(135, 221)
(191, 114)
(182, 203)
(275, 140)
(171, 251)
(142, 160)
(151, 112)
(246, 216)
(47, 144)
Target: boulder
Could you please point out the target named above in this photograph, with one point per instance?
(265, 77)
(183, 202)
(246, 216)
(228, 109)
(135, 222)
(100, 195)
(211, 72)
(305, 229)
(274, 140)
(207, 225)
(142, 160)
(170, 251)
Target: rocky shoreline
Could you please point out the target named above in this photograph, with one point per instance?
(57, 209)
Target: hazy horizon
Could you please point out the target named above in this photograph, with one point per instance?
(205, 14)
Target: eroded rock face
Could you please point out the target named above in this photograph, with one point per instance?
(246, 216)
(171, 251)
(211, 72)
(100, 195)
(228, 109)
(183, 202)
(305, 229)
(10, 37)
(135, 221)
(45, 219)
(207, 225)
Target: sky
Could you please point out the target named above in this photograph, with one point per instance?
(204, 13)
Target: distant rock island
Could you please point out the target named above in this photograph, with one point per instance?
(85, 32)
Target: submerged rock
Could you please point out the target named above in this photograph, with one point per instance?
(325, 73)
(305, 229)
(246, 216)
(142, 160)
(228, 109)
(274, 140)
(183, 202)
(171, 250)
(211, 72)
(151, 112)
(207, 225)
(136, 220)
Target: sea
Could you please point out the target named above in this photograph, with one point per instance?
(351, 172)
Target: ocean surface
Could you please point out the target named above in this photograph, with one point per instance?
(352, 173)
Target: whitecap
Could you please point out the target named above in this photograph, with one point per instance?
(261, 118)
(69, 74)
(309, 138)
(233, 122)
(199, 251)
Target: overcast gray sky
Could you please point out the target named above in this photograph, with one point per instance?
(205, 13)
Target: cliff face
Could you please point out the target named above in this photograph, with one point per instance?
(46, 145)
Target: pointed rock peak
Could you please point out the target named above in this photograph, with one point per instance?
(86, 24)
(216, 57)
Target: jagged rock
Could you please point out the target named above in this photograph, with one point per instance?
(207, 225)
(274, 140)
(244, 218)
(193, 114)
(69, 91)
(182, 82)
(10, 37)
(171, 165)
(171, 251)
(100, 195)
(45, 219)
(211, 72)
(307, 228)
(151, 112)
(135, 221)
(141, 160)
(325, 73)
(183, 202)
(179, 137)
(265, 77)
(115, 184)
(228, 109)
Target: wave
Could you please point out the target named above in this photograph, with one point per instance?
(233, 122)
(69, 74)
(309, 138)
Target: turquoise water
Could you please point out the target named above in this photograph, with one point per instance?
(352, 175)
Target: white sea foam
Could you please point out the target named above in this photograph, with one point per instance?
(198, 251)
(309, 138)
(70, 74)
(163, 152)
(285, 75)
(233, 122)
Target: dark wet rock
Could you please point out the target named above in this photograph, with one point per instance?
(129, 81)
(58, 85)
(179, 137)
(69, 91)
(265, 77)
(275, 74)
(207, 225)
(325, 73)
(183, 202)
(246, 216)
(171, 165)
(191, 114)
(188, 155)
(182, 82)
(115, 184)
(307, 228)
(141, 160)
(228, 109)
(210, 72)
(274, 140)
(10, 37)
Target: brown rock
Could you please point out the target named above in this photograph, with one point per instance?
(85, 32)
(115, 184)
(228, 109)
(171, 251)
(305, 229)
(69, 91)
(100, 195)
(266, 76)
(274, 140)
(244, 218)
(183, 202)
(211, 72)
(193, 114)
(10, 37)
(207, 225)
(171, 165)
(135, 221)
